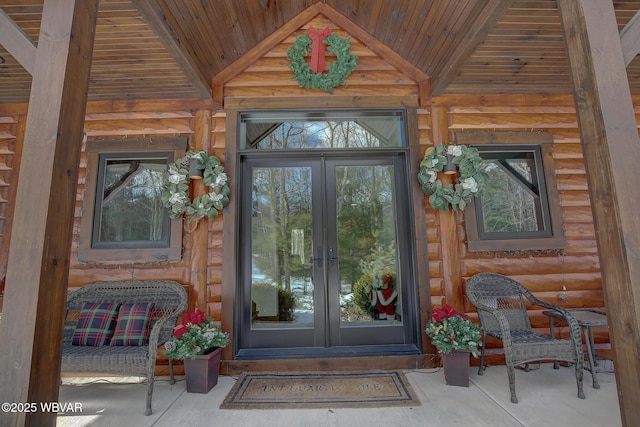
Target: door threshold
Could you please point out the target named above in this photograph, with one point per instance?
(306, 352)
(338, 364)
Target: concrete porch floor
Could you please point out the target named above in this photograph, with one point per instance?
(546, 397)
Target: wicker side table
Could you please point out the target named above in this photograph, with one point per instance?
(587, 319)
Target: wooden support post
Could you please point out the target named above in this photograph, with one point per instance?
(448, 226)
(32, 323)
(611, 147)
(199, 236)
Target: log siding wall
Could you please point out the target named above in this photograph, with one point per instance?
(109, 126)
(269, 78)
(544, 272)
(11, 130)
(267, 84)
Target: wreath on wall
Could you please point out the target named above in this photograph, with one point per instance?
(469, 181)
(175, 187)
(338, 71)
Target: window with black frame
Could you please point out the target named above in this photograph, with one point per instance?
(518, 207)
(123, 217)
(128, 209)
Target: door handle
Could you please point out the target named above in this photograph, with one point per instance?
(318, 259)
(332, 257)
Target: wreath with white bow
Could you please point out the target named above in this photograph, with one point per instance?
(175, 187)
(469, 181)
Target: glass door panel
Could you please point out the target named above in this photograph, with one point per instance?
(282, 290)
(366, 234)
(322, 265)
(365, 298)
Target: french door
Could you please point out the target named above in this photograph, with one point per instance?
(325, 266)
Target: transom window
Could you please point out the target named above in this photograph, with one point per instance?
(518, 206)
(321, 129)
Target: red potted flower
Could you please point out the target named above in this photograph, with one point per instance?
(455, 336)
(198, 340)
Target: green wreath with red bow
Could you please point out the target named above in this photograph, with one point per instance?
(339, 70)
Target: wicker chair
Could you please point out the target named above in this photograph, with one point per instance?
(169, 299)
(500, 302)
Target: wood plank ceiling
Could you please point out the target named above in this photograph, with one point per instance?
(522, 53)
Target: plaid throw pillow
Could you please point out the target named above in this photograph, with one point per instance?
(132, 327)
(95, 324)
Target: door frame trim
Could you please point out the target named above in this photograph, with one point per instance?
(418, 225)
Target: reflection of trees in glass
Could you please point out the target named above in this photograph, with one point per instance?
(329, 134)
(132, 209)
(365, 216)
(282, 200)
(507, 206)
(347, 134)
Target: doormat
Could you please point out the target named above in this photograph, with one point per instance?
(284, 390)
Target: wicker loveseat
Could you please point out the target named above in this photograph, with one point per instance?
(167, 300)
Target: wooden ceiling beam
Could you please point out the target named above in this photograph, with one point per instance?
(475, 36)
(630, 39)
(154, 16)
(17, 43)
(611, 147)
